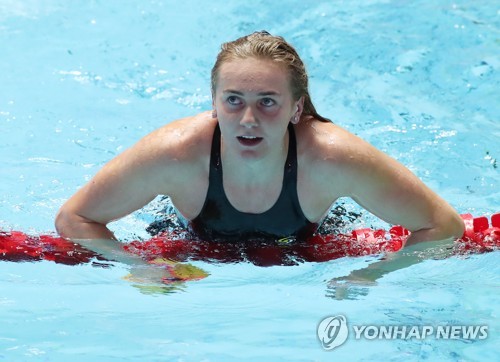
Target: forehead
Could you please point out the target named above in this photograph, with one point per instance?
(253, 75)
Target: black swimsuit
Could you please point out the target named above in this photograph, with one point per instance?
(218, 219)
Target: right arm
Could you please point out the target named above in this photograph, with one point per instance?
(123, 185)
(160, 163)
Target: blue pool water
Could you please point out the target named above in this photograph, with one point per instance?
(81, 81)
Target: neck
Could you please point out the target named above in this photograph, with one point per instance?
(249, 172)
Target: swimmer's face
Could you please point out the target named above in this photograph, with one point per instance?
(254, 105)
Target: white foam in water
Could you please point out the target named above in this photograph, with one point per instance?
(82, 81)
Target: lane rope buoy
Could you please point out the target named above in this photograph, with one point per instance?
(482, 234)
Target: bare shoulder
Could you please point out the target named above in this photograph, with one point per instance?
(335, 159)
(331, 160)
(183, 140)
(327, 144)
(172, 157)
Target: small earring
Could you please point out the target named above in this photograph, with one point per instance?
(214, 114)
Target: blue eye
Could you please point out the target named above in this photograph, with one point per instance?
(233, 100)
(267, 102)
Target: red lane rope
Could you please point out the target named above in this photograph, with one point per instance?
(481, 235)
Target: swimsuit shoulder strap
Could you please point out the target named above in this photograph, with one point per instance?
(289, 188)
(291, 159)
(215, 161)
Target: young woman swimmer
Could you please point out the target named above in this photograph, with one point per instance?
(262, 163)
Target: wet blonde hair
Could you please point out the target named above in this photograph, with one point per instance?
(262, 45)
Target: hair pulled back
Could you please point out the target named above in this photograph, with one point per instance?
(262, 45)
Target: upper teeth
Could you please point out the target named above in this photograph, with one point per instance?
(249, 137)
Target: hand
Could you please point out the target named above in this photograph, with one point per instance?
(350, 287)
(148, 274)
(179, 271)
(163, 276)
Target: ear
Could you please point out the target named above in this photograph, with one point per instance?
(299, 108)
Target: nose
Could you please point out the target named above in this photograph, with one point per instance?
(248, 119)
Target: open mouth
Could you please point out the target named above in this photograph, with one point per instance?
(249, 140)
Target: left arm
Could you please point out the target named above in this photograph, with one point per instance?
(358, 280)
(390, 191)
